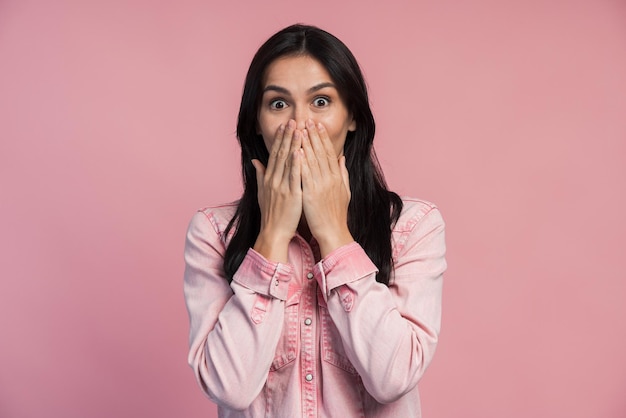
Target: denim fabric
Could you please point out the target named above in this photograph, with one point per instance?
(314, 338)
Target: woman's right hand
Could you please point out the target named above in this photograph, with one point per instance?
(280, 193)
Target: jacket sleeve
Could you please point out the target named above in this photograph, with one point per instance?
(234, 329)
(389, 333)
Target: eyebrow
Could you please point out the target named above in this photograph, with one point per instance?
(313, 89)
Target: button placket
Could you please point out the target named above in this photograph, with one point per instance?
(308, 331)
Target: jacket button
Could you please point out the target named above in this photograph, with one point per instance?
(308, 377)
(307, 321)
(309, 275)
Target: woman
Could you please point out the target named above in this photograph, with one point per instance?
(318, 293)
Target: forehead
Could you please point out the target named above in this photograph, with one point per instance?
(294, 71)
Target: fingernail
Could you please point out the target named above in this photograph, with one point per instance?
(320, 127)
(291, 124)
(310, 123)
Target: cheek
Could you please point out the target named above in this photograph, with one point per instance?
(268, 139)
(337, 131)
(268, 131)
(268, 145)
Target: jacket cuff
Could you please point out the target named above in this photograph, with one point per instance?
(263, 276)
(344, 265)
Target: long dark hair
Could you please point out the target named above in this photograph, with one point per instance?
(373, 209)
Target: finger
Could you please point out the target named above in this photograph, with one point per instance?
(322, 146)
(296, 142)
(295, 174)
(282, 152)
(328, 148)
(278, 137)
(309, 154)
(305, 171)
(328, 145)
(294, 145)
(316, 142)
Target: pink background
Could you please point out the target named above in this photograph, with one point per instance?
(117, 121)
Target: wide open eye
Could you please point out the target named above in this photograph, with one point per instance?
(321, 101)
(278, 104)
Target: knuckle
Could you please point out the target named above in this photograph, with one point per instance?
(270, 183)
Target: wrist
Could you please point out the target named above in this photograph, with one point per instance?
(331, 242)
(272, 247)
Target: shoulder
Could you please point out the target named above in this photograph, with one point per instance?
(215, 217)
(419, 219)
(415, 211)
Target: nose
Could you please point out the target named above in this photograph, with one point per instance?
(301, 115)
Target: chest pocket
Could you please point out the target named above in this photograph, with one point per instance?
(331, 346)
(288, 344)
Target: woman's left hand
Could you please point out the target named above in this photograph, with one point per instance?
(325, 190)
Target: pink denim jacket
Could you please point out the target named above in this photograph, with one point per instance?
(314, 338)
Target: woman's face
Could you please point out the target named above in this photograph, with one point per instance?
(300, 88)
